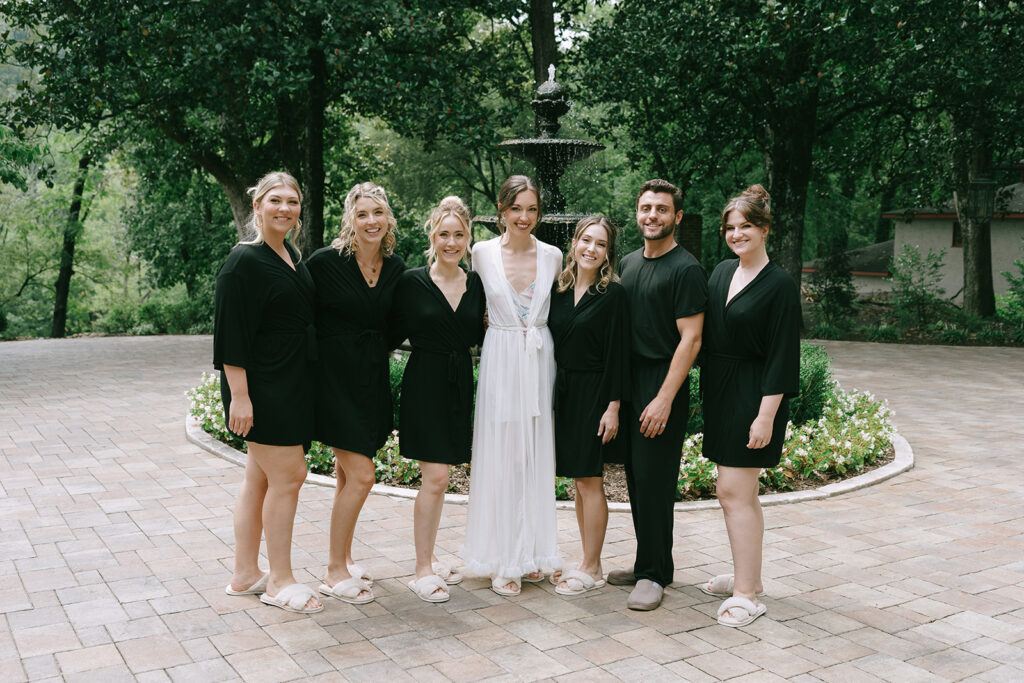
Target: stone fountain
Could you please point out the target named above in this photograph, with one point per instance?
(550, 155)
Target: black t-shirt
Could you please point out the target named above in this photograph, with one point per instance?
(661, 290)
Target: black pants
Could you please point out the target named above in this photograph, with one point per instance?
(652, 472)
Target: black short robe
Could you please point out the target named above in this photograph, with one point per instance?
(436, 415)
(353, 388)
(592, 358)
(263, 322)
(751, 349)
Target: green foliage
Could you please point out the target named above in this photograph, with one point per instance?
(16, 156)
(816, 385)
(391, 468)
(1011, 305)
(853, 431)
(831, 284)
(565, 488)
(917, 295)
(785, 73)
(824, 331)
(31, 239)
(396, 369)
(881, 333)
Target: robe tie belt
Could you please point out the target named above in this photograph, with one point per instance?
(369, 348)
(458, 361)
(717, 355)
(529, 378)
(562, 375)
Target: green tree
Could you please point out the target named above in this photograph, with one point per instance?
(701, 82)
(242, 89)
(969, 70)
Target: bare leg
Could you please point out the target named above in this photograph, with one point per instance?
(248, 522)
(285, 470)
(427, 514)
(592, 516)
(427, 517)
(350, 493)
(737, 492)
(339, 483)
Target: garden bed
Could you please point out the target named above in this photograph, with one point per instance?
(833, 434)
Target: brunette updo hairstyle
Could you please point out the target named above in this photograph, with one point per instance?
(449, 206)
(510, 189)
(754, 203)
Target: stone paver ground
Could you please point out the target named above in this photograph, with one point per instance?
(116, 543)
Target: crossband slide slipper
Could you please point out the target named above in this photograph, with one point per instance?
(255, 589)
(348, 591)
(293, 598)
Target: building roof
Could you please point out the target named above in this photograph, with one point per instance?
(873, 259)
(1009, 204)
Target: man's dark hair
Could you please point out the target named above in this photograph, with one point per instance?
(659, 185)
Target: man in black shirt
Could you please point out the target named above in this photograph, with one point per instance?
(667, 290)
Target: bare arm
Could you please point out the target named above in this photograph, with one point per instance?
(761, 427)
(655, 416)
(240, 419)
(609, 425)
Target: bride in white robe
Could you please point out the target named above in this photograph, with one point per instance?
(511, 529)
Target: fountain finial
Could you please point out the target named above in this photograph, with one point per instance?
(551, 72)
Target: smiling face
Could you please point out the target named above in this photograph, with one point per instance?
(278, 211)
(521, 215)
(450, 240)
(369, 222)
(590, 250)
(743, 237)
(656, 215)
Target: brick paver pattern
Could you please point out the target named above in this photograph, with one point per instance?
(117, 544)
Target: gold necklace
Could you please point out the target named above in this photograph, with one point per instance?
(372, 277)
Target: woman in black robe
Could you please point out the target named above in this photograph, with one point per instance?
(750, 369)
(440, 309)
(355, 277)
(589, 324)
(263, 344)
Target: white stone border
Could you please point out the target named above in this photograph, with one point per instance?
(903, 461)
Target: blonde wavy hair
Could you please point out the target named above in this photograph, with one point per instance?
(345, 242)
(606, 273)
(264, 185)
(449, 206)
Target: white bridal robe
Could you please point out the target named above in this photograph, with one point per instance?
(511, 529)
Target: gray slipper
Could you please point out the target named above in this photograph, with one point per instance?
(646, 596)
(622, 577)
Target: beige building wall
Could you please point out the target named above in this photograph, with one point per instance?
(937, 233)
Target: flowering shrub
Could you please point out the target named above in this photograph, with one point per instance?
(853, 431)
(206, 407)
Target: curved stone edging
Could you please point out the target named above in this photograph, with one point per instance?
(903, 461)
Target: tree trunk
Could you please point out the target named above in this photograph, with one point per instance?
(72, 229)
(238, 200)
(542, 36)
(311, 237)
(972, 162)
(788, 166)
